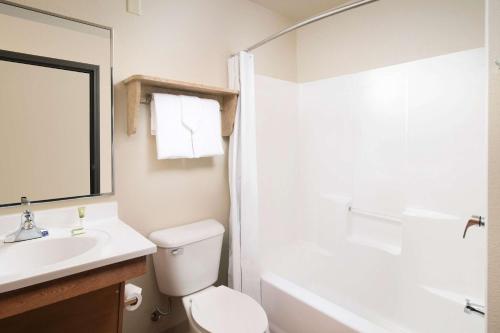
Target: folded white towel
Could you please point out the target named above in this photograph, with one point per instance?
(173, 139)
(191, 110)
(202, 117)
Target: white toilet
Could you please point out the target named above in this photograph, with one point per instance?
(187, 264)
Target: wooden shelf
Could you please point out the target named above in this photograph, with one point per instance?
(139, 87)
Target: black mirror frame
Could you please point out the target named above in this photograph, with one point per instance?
(94, 135)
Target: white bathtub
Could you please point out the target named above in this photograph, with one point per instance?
(293, 309)
(310, 290)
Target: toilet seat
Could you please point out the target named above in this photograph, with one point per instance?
(223, 310)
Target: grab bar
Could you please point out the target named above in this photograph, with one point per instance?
(382, 216)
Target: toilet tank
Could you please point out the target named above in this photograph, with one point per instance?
(188, 257)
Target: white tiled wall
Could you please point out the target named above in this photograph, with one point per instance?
(408, 141)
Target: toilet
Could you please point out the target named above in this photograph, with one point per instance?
(187, 265)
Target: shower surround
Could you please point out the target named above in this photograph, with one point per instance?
(366, 187)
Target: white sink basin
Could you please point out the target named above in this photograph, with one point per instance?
(107, 240)
(34, 254)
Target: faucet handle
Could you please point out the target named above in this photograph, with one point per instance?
(474, 308)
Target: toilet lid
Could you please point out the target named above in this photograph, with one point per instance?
(223, 310)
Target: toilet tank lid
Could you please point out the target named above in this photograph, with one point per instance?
(186, 234)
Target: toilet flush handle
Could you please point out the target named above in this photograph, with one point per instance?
(177, 251)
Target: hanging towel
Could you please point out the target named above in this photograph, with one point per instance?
(202, 117)
(191, 110)
(173, 138)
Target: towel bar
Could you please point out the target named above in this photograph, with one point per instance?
(149, 98)
(146, 100)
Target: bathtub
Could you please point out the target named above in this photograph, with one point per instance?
(293, 309)
(310, 290)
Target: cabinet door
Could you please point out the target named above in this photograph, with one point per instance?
(96, 312)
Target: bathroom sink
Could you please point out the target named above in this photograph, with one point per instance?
(107, 240)
(33, 254)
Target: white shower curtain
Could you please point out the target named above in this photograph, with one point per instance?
(244, 272)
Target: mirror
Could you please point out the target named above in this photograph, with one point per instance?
(55, 107)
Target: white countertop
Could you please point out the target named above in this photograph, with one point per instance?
(107, 240)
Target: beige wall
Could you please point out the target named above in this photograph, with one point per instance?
(187, 40)
(388, 32)
(494, 169)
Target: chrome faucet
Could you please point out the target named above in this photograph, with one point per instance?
(474, 220)
(28, 229)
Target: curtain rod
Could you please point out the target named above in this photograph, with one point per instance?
(334, 11)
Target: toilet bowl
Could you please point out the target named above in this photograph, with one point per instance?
(223, 310)
(187, 265)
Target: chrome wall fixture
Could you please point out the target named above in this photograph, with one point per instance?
(474, 308)
(474, 220)
(158, 312)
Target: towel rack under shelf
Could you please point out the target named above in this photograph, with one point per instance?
(136, 92)
(148, 98)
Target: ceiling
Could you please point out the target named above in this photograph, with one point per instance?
(299, 9)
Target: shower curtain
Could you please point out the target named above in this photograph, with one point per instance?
(244, 272)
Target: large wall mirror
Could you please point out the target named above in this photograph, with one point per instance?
(56, 111)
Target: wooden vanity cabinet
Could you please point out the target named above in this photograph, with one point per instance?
(90, 301)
